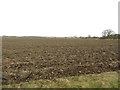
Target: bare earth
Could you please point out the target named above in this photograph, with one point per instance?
(26, 59)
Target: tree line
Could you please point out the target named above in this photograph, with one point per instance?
(109, 34)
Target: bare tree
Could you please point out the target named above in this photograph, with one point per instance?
(107, 33)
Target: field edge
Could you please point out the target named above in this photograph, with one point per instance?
(103, 80)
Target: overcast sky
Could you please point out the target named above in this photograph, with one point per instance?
(57, 17)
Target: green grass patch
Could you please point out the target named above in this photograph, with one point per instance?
(103, 80)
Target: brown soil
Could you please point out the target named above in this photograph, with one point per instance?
(26, 59)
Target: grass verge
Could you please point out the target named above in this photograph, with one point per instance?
(103, 80)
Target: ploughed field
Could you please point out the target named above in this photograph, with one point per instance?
(26, 59)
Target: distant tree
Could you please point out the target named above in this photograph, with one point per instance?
(89, 36)
(75, 36)
(107, 33)
(114, 36)
(95, 37)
